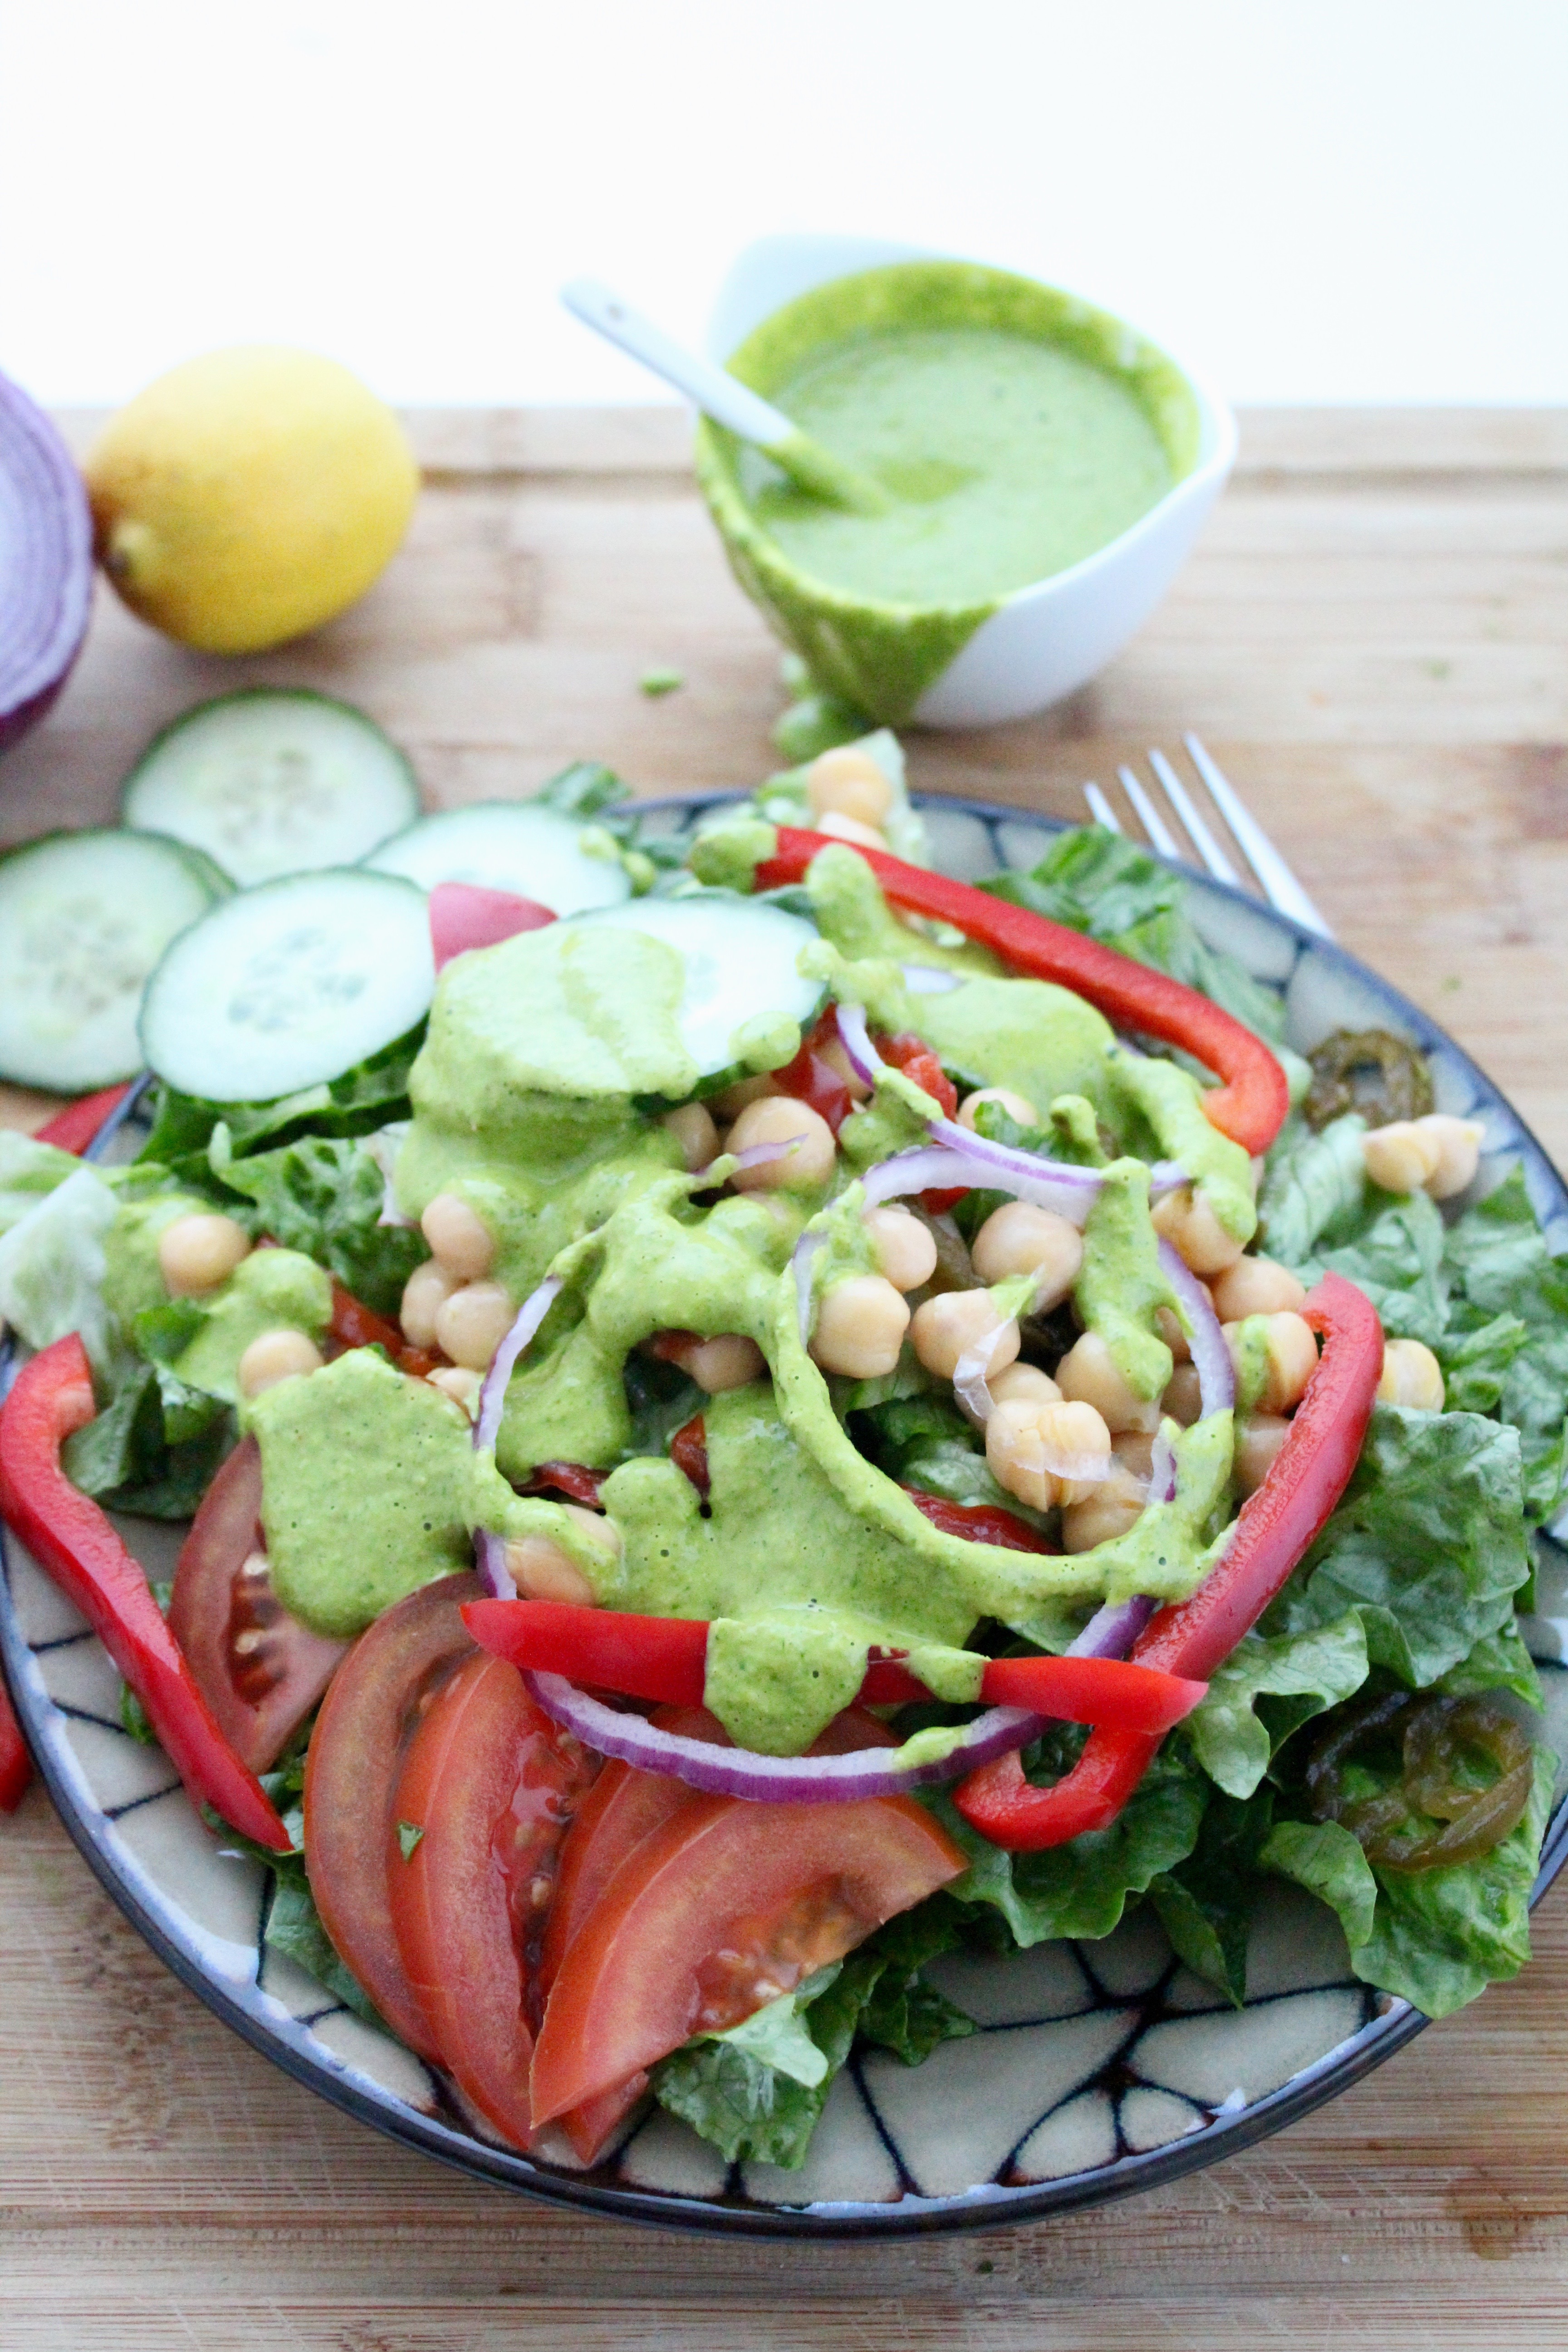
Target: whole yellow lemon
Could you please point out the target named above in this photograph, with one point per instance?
(248, 496)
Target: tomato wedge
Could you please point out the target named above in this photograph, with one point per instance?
(259, 1669)
(723, 1908)
(464, 915)
(491, 1784)
(373, 1704)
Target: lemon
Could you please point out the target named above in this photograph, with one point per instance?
(248, 496)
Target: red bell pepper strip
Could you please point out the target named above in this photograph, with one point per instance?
(355, 1325)
(665, 1658)
(1277, 1524)
(71, 1538)
(1251, 1104)
(15, 1764)
(985, 1523)
(73, 1128)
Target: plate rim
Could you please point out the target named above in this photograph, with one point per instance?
(988, 2207)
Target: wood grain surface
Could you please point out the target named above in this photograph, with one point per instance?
(1372, 639)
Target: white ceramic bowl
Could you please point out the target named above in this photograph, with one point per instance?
(1046, 640)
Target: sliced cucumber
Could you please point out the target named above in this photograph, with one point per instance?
(84, 918)
(269, 781)
(742, 973)
(506, 845)
(289, 984)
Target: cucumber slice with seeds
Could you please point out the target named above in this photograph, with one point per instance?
(513, 845)
(741, 961)
(272, 782)
(84, 918)
(289, 984)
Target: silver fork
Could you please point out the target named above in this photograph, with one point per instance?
(1273, 876)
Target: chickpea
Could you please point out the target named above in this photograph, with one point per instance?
(956, 1321)
(860, 1326)
(1090, 1372)
(736, 1098)
(424, 1294)
(1195, 1232)
(850, 829)
(728, 1361)
(1021, 1239)
(543, 1571)
(1107, 1510)
(454, 1381)
(1410, 1375)
(1291, 1360)
(1182, 1400)
(1168, 1323)
(1025, 1436)
(904, 1248)
(1458, 1143)
(461, 1240)
(274, 1356)
(1017, 1381)
(198, 1252)
(471, 1324)
(847, 783)
(1015, 1105)
(1258, 1437)
(1402, 1157)
(781, 1119)
(693, 1128)
(1134, 1449)
(1256, 1285)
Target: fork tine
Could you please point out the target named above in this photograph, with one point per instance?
(1279, 885)
(1181, 800)
(1154, 824)
(1100, 809)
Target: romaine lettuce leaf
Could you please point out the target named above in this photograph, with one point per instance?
(1100, 883)
(323, 1196)
(1313, 1184)
(1207, 1903)
(1499, 1265)
(1322, 1663)
(1427, 1545)
(1081, 1889)
(28, 1170)
(371, 1094)
(52, 1265)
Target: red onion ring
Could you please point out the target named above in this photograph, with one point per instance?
(806, 1250)
(930, 979)
(756, 1155)
(772, 1780)
(856, 1038)
(488, 1547)
(1216, 1373)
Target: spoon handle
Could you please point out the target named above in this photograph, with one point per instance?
(710, 387)
(728, 402)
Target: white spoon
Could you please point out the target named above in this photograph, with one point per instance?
(726, 400)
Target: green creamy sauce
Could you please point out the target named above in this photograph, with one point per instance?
(1007, 460)
(1017, 430)
(371, 1487)
(270, 1290)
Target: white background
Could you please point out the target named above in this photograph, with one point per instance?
(1341, 200)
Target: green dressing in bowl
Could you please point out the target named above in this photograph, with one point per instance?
(1018, 429)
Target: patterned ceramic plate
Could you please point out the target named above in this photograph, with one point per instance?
(1099, 2069)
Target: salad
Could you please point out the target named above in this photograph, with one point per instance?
(752, 1415)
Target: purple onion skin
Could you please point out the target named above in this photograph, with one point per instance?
(770, 1780)
(45, 522)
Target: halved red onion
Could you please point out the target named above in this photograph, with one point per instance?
(493, 1394)
(772, 1780)
(46, 560)
(1216, 1373)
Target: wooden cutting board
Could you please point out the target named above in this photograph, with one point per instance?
(1372, 639)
